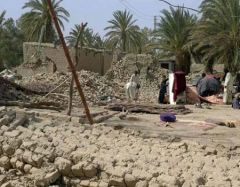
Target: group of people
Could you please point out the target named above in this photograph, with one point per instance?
(133, 86)
(209, 85)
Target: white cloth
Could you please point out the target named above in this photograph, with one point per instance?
(135, 78)
(131, 90)
(228, 88)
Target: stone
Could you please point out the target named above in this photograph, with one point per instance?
(130, 180)
(12, 134)
(4, 121)
(102, 184)
(3, 179)
(19, 165)
(15, 143)
(117, 182)
(27, 157)
(5, 162)
(8, 184)
(63, 165)
(84, 183)
(51, 177)
(142, 184)
(30, 145)
(90, 171)
(77, 170)
(153, 184)
(13, 162)
(75, 182)
(38, 160)
(27, 168)
(8, 149)
(93, 184)
(19, 154)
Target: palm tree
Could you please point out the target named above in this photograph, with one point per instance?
(2, 22)
(88, 38)
(37, 24)
(218, 33)
(2, 18)
(123, 32)
(173, 36)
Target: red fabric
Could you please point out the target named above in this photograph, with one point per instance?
(179, 84)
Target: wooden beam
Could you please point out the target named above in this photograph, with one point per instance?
(69, 60)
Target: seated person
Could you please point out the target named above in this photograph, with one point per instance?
(199, 80)
(208, 86)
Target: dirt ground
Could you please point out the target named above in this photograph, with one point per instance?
(187, 127)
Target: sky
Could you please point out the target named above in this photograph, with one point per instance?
(98, 12)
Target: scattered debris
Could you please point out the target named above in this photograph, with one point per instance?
(146, 108)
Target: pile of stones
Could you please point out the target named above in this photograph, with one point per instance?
(51, 149)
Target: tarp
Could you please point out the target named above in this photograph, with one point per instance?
(193, 97)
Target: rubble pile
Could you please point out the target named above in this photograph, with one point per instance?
(95, 87)
(99, 88)
(51, 149)
(9, 92)
(150, 74)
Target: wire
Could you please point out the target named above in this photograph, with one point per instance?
(177, 6)
(140, 12)
(134, 12)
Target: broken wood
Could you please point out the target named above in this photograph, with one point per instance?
(30, 105)
(149, 109)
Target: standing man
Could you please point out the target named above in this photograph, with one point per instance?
(135, 79)
(228, 87)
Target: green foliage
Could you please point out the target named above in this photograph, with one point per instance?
(11, 40)
(39, 18)
(87, 39)
(217, 36)
(122, 32)
(173, 36)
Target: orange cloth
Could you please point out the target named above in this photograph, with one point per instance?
(193, 97)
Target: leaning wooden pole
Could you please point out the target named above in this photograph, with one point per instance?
(72, 67)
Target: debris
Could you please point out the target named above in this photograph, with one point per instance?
(39, 105)
(150, 109)
(230, 124)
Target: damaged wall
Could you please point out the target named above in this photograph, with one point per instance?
(98, 61)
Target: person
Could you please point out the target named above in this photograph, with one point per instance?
(163, 90)
(228, 87)
(135, 80)
(199, 80)
(208, 86)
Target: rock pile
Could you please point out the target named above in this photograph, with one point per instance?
(54, 150)
(95, 87)
(9, 92)
(100, 88)
(150, 74)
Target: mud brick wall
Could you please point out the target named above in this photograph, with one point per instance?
(97, 61)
